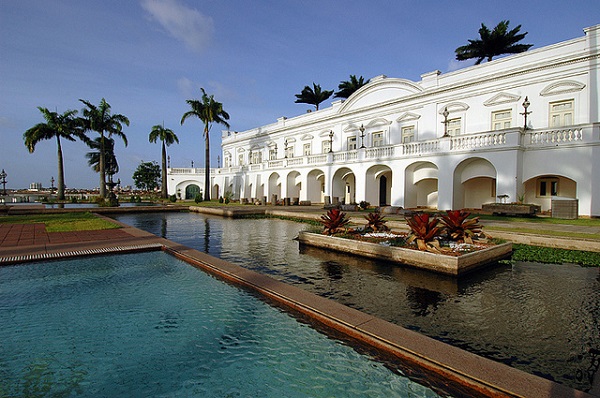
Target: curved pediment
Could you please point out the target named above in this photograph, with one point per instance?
(408, 116)
(380, 89)
(454, 107)
(378, 122)
(306, 137)
(565, 86)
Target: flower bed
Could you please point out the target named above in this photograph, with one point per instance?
(454, 262)
(452, 244)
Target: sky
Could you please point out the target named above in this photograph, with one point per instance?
(147, 57)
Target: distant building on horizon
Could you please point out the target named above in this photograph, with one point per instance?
(525, 127)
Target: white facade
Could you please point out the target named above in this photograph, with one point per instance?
(392, 143)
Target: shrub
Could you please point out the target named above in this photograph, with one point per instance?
(334, 221)
(458, 227)
(221, 200)
(364, 204)
(173, 198)
(376, 222)
(424, 231)
(198, 198)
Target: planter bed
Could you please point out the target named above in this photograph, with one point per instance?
(446, 264)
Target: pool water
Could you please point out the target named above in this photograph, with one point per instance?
(150, 325)
(541, 318)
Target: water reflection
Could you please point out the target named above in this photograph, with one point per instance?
(543, 319)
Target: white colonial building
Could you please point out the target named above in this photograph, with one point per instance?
(523, 127)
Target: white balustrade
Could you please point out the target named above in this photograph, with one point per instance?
(555, 137)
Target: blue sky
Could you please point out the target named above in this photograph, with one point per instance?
(146, 57)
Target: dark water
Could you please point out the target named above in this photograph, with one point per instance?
(543, 319)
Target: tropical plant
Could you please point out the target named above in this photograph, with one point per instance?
(100, 120)
(110, 160)
(364, 204)
(423, 230)
(208, 111)
(334, 221)
(459, 227)
(348, 87)
(490, 44)
(147, 176)
(167, 137)
(376, 222)
(313, 96)
(57, 126)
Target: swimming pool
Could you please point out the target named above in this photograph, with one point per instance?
(148, 324)
(540, 318)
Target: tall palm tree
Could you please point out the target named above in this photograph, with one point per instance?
(110, 160)
(100, 120)
(313, 96)
(497, 42)
(57, 126)
(348, 87)
(168, 137)
(209, 111)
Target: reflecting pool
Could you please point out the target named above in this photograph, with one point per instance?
(149, 325)
(543, 319)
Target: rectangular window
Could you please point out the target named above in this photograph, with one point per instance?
(306, 149)
(454, 126)
(289, 152)
(227, 161)
(273, 154)
(408, 134)
(501, 119)
(325, 146)
(561, 113)
(548, 187)
(241, 159)
(351, 143)
(256, 157)
(377, 138)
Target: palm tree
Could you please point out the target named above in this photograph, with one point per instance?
(348, 87)
(110, 160)
(100, 120)
(209, 111)
(168, 137)
(313, 96)
(56, 126)
(497, 42)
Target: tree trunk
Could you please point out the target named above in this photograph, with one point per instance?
(102, 169)
(207, 165)
(163, 186)
(61, 172)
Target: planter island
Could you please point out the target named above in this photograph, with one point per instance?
(455, 265)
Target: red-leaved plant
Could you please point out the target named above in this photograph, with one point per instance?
(459, 227)
(424, 231)
(376, 222)
(334, 221)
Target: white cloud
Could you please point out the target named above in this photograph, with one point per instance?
(188, 88)
(455, 65)
(185, 24)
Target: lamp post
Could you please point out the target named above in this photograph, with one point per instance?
(285, 146)
(3, 176)
(445, 114)
(169, 161)
(362, 136)
(219, 161)
(526, 104)
(52, 183)
(192, 164)
(330, 141)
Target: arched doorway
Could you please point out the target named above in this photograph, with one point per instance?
(191, 191)
(274, 186)
(343, 186)
(474, 184)
(421, 185)
(539, 190)
(379, 185)
(315, 186)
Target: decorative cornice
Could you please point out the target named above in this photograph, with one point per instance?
(454, 107)
(408, 116)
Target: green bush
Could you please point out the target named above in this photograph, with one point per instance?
(221, 199)
(173, 198)
(198, 198)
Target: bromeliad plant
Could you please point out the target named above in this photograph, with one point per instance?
(334, 221)
(459, 227)
(376, 222)
(424, 230)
